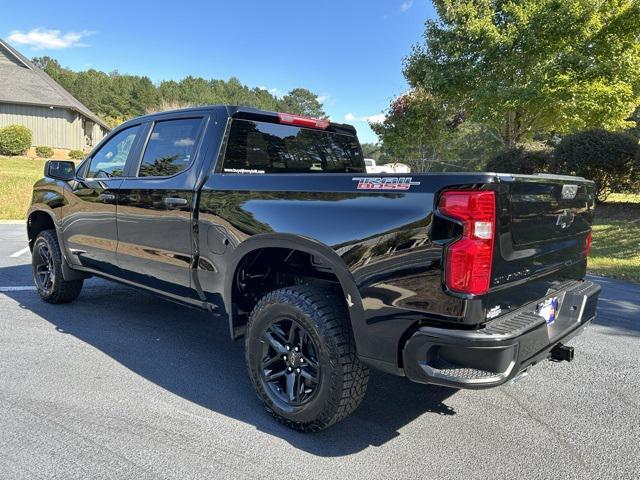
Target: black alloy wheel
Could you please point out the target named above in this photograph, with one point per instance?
(47, 265)
(290, 367)
(44, 268)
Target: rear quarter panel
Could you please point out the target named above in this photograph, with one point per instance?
(382, 237)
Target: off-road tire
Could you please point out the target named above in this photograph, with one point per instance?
(343, 378)
(58, 290)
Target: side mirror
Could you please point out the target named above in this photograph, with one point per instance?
(60, 170)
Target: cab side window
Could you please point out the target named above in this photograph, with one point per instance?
(170, 148)
(110, 160)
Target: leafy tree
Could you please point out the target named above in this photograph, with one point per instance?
(373, 150)
(610, 159)
(429, 135)
(46, 62)
(414, 126)
(469, 148)
(301, 101)
(519, 67)
(161, 167)
(116, 97)
(635, 118)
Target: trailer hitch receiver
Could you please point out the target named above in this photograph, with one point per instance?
(561, 353)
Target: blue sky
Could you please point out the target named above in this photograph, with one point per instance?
(348, 52)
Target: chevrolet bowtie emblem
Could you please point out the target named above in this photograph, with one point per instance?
(569, 192)
(565, 219)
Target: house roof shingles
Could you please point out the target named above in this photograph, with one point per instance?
(30, 85)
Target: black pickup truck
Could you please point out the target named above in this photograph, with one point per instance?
(269, 221)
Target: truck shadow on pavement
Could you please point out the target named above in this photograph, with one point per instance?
(189, 353)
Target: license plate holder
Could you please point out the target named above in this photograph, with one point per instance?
(549, 309)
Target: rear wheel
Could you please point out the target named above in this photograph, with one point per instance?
(46, 261)
(301, 358)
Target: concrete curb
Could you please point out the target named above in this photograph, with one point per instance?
(12, 222)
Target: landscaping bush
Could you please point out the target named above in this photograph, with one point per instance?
(44, 152)
(525, 159)
(610, 159)
(76, 154)
(14, 140)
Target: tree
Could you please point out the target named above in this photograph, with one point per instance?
(520, 67)
(414, 126)
(46, 62)
(374, 151)
(116, 97)
(301, 101)
(429, 135)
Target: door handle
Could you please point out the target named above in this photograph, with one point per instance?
(175, 202)
(106, 197)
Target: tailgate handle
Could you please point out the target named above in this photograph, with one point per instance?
(175, 202)
(106, 197)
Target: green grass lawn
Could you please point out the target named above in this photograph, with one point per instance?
(615, 251)
(17, 176)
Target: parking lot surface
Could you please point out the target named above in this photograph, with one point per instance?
(121, 384)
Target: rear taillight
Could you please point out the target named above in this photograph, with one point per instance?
(587, 244)
(302, 121)
(468, 260)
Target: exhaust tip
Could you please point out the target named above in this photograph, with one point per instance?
(561, 353)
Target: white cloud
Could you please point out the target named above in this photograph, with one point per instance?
(273, 91)
(377, 118)
(184, 142)
(406, 5)
(43, 39)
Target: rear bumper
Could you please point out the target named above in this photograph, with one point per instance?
(491, 356)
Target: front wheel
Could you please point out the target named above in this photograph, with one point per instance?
(301, 358)
(46, 261)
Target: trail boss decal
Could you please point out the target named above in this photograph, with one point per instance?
(384, 183)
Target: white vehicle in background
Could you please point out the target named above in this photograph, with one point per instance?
(370, 165)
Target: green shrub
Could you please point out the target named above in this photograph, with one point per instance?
(524, 159)
(14, 140)
(610, 159)
(44, 152)
(76, 154)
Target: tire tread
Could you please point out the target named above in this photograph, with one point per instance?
(65, 291)
(331, 317)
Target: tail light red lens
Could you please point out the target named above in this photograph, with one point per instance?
(302, 121)
(587, 244)
(468, 260)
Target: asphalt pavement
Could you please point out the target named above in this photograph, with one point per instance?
(121, 384)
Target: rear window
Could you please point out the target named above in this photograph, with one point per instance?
(261, 147)
(170, 147)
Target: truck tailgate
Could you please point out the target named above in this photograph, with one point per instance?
(543, 229)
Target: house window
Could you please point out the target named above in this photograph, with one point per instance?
(87, 128)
